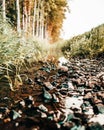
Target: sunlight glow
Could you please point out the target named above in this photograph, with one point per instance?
(84, 15)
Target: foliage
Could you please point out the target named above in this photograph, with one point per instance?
(89, 44)
(56, 14)
(48, 13)
(17, 52)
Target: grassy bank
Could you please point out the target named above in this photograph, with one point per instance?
(89, 44)
(18, 52)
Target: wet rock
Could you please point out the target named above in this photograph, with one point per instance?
(62, 61)
(38, 81)
(77, 121)
(73, 102)
(64, 85)
(3, 112)
(68, 126)
(87, 108)
(94, 126)
(100, 108)
(88, 111)
(45, 68)
(42, 108)
(62, 119)
(22, 104)
(70, 85)
(48, 85)
(63, 91)
(67, 97)
(69, 117)
(62, 69)
(97, 118)
(14, 115)
(101, 77)
(88, 95)
(55, 98)
(46, 95)
(27, 102)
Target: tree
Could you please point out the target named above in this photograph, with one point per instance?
(18, 17)
(4, 11)
(34, 19)
(56, 14)
(41, 18)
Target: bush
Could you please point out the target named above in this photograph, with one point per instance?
(89, 44)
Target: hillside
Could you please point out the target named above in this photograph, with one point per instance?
(89, 44)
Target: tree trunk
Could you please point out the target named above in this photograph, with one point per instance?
(18, 17)
(25, 19)
(4, 12)
(42, 28)
(38, 19)
(34, 18)
(29, 18)
(45, 32)
(23, 22)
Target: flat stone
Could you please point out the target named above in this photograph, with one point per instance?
(48, 85)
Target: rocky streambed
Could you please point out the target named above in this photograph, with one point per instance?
(68, 95)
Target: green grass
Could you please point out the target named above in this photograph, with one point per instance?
(18, 52)
(87, 45)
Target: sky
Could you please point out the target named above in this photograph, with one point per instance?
(83, 16)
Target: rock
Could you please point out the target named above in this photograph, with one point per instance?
(22, 103)
(63, 91)
(68, 125)
(100, 108)
(70, 85)
(97, 118)
(3, 112)
(62, 61)
(88, 95)
(62, 119)
(69, 117)
(48, 85)
(64, 85)
(73, 102)
(46, 94)
(63, 69)
(101, 77)
(14, 115)
(29, 101)
(88, 111)
(55, 98)
(94, 126)
(87, 108)
(42, 108)
(45, 68)
(67, 97)
(38, 81)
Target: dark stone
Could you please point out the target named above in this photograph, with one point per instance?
(94, 126)
(68, 125)
(100, 108)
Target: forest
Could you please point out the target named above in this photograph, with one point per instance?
(47, 83)
(38, 18)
